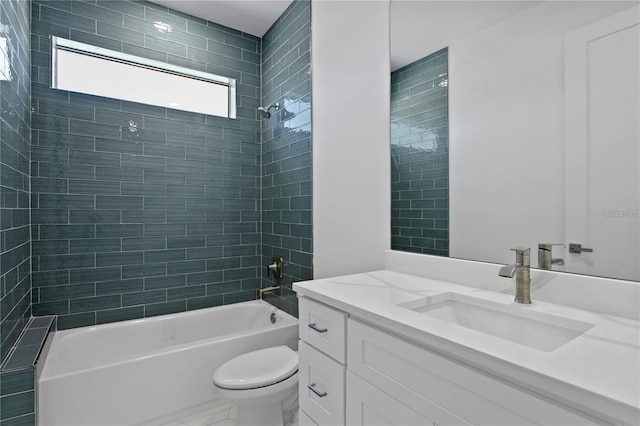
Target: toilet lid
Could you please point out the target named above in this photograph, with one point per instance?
(256, 369)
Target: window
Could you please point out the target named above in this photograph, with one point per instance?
(5, 61)
(83, 68)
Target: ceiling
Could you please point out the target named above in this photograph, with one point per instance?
(419, 28)
(250, 16)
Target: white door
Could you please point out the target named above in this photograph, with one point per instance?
(602, 135)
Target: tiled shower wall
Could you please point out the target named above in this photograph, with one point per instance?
(17, 394)
(420, 156)
(15, 119)
(286, 151)
(139, 210)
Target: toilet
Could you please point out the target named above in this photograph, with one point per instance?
(262, 384)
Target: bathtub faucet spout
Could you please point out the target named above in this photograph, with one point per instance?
(269, 290)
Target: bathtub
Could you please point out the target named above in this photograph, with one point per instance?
(150, 370)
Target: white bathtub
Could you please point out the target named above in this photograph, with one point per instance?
(153, 369)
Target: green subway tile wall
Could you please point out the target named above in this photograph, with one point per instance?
(286, 151)
(112, 210)
(420, 156)
(15, 122)
(140, 210)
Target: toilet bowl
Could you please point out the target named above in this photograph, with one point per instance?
(262, 384)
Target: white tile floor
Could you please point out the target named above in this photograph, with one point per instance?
(218, 413)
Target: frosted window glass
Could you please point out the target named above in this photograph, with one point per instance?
(83, 72)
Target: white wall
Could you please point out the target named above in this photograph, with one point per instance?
(351, 149)
(506, 107)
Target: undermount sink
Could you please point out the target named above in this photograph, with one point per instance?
(516, 323)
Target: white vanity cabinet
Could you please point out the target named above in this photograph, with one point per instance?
(372, 377)
(442, 390)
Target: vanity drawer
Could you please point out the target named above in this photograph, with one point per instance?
(323, 327)
(322, 386)
(444, 390)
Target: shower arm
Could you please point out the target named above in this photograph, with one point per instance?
(265, 110)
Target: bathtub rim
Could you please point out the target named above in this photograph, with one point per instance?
(56, 337)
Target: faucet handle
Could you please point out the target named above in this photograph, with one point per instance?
(545, 260)
(522, 255)
(548, 246)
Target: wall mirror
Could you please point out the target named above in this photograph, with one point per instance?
(515, 123)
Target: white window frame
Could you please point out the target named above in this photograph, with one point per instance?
(61, 44)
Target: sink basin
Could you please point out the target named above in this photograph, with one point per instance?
(516, 323)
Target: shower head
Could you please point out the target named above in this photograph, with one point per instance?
(264, 111)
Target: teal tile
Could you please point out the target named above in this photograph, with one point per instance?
(122, 314)
(94, 216)
(42, 279)
(33, 337)
(142, 189)
(64, 19)
(94, 303)
(119, 230)
(61, 170)
(66, 322)
(204, 253)
(186, 293)
(144, 216)
(160, 230)
(61, 201)
(186, 267)
(144, 297)
(49, 185)
(203, 302)
(50, 247)
(165, 308)
(119, 259)
(98, 245)
(42, 322)
(186, 242)
(17, 404)
(71, 261)
(53, 232)
(126, 7)
(239, 274)
(116, 32)
(26, 420)
(145, 243)
(237, 297)
(146, 270)
(170, 281)
(98, 13)
(88, 275)
(65, 292)
(103, 159)
(22, 356)
(17, 381)
(119, 287)
(111, 202)
(124, 174)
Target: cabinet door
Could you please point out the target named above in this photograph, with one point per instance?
(436, 386)
(321, 384)
(305, 420)
(369, 406)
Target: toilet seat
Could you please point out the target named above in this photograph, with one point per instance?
(257, 369)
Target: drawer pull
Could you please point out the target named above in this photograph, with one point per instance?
(316, 328)
(312, 388)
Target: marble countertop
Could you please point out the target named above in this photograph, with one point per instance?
(596, 372)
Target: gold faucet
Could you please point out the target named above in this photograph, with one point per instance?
(522, 272)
